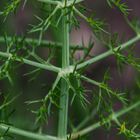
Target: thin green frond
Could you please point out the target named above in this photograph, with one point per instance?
(122, 6)
(11, 7)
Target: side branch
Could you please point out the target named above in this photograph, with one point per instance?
(112, 117)
(46, 43)
(61, 4)
(108, 53)
(27, 134)
(50, 2)
(32, 63)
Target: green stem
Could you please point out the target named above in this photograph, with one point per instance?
(108, 53)
(50, 2)
(112, 117)
(32, 63)
(87, 20)
(86, 120)
(61, 4)
(49, 44)
(63, 112)
(80, 14)
(27, 134)
(71, 2)
(90, 80)
(53, 87)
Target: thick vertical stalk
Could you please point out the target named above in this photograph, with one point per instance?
(64, 97)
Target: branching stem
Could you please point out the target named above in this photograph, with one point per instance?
(61, 4)
(27, 134)
(108, 53)
(64, 96)
(75, 135)
(112, 117)
(44, 43)
(32, 63)
(50, 2)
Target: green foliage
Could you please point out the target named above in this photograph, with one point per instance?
(10, 7)
(7, 102)
(120, 5)
(134, 24)
(77, 89)
(97, 25)
(5, 135)
(71, 83)
(129, 133)
(130, 59)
